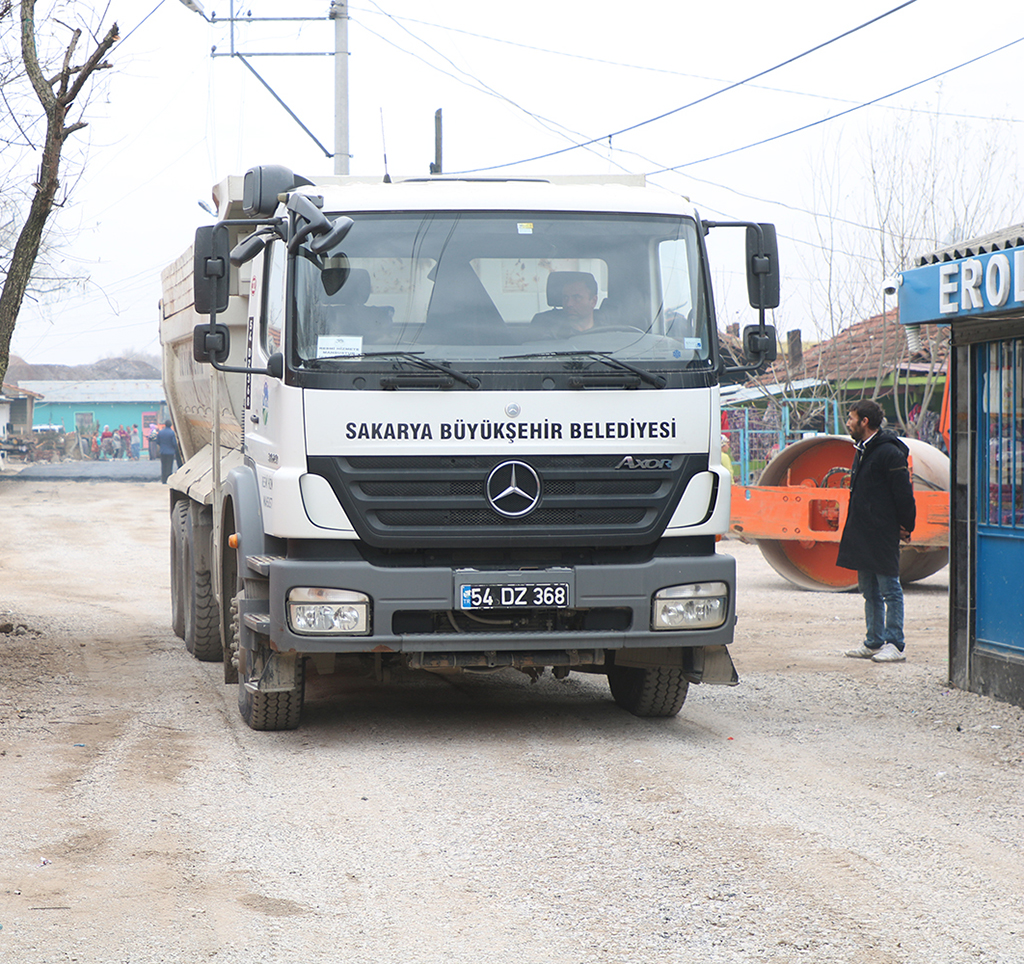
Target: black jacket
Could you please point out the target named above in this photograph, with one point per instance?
(881, 503)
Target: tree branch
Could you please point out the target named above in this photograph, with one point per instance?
(31, 58)
(93, 63)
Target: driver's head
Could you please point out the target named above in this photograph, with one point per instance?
(579, 298)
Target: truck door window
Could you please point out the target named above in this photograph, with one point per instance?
(675, 295)
(272, 322)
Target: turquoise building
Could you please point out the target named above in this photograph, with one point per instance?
(86, 406)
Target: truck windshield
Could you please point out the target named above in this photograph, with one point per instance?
(482, 287)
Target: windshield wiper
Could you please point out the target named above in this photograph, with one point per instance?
(658, 381)
(414, 357)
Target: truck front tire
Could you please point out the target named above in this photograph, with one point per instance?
(657, 691)
(279, 710)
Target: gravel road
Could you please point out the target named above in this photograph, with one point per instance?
(826, 809)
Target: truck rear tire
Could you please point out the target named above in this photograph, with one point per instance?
(657, 691)
(202, 623)
(179, 520)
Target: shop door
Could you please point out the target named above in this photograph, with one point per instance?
(999, 560)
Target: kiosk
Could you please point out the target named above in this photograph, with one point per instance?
(977, 288)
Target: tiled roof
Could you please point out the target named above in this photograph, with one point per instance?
(1012, 237)
(866, 350)
(13, 391)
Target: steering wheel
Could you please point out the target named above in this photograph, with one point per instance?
(600, 328)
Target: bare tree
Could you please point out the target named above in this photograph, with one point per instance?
(57, 79)
(917, 187)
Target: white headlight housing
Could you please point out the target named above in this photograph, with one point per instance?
(698, 605)
(328, 612)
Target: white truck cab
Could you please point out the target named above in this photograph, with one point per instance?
(460, 425)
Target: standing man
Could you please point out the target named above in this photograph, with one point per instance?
(168, 446)
(882, 512)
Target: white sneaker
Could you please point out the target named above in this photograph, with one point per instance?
(889, 654)
(862, 652)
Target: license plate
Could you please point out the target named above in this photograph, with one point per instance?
(519, 595)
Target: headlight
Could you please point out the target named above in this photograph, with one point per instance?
(328, 612)
(699, 605)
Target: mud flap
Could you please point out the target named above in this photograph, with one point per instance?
(278, 676)
(712, 664)
(700, 664)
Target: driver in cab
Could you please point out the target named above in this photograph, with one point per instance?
(575, 311)
(579, 300)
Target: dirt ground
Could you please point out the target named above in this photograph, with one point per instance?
(826, 809)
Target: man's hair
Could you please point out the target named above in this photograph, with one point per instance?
(870, 410)
(167, 424)
(586, 278)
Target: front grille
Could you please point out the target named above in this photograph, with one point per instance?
(424, 501)
(504, 622)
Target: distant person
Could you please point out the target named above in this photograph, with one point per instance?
(167, 443)
(123, 442)
(154, 449)
(136, 443)
(106, 443)
(726, 457)
(882, 512)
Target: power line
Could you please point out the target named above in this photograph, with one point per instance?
(475, 83)
(664, 70)
(140, 23)
(832, 117)
(699, 100)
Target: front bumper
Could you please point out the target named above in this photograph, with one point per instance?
(395, 593)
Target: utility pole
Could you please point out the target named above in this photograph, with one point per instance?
(339, 14)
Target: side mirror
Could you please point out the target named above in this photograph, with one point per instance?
(263, 186)
(341, 227)
(211, 343)
(760, 345)
(275, 365)
(245, 251)
(762, 266)
(211, 269)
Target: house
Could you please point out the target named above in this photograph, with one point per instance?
(807, 388)
(16, 410)
(869, 358)
(86, 407)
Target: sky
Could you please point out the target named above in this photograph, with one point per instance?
(753, 111)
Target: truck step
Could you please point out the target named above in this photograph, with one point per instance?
(258, 623)
(261, 564)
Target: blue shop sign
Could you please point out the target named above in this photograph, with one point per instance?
(948, 290)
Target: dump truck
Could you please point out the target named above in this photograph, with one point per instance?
(456, 425)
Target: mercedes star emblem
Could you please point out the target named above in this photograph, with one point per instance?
(513, 489)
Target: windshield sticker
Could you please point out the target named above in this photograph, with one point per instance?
(525, 227)
(693, 344)
(333, 346)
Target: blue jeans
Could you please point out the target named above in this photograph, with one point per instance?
(883, 609)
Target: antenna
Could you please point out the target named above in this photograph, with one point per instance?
(435, 168)
(384, 148)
